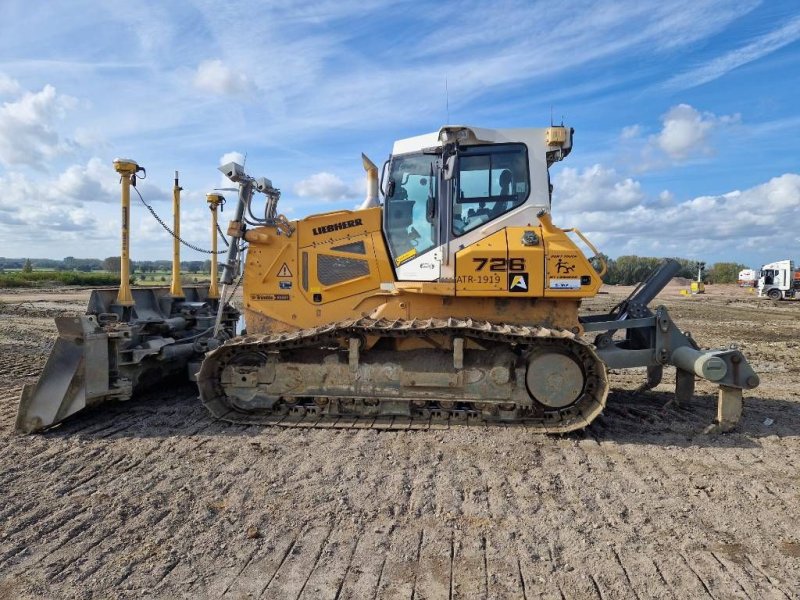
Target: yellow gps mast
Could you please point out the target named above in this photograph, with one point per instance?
(176, 290)
(127, 170)
(214, 200)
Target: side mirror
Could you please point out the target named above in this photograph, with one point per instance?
(450, 167)
(384, 170)
(389, 189)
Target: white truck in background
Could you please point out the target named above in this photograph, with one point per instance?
(748, 278)
(778, 280)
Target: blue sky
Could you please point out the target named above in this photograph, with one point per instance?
(687, 127)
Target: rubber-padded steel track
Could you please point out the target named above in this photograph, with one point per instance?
(307, 414)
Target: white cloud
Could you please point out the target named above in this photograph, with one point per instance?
(96, 182)
(236, 157)
(216, 77)
(27, 133)
(631, 132)
(685, 134)
(40, 207)
(716, 68)
(686, 131)
(665, 198)
(721, 225)
(8, 86)
(597, 189)
(325, 186)
(93, 182)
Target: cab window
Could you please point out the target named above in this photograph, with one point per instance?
(410, 199)
(492, 180)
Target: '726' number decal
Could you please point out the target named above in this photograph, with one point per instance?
(500, 264)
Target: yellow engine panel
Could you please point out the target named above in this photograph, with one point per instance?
(322, 273)
(503, 265)
(495, 266)
(569, 273)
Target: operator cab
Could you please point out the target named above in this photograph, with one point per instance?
(446, 190)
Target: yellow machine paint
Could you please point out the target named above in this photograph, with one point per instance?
(296, 282)
(214, 201)
(176, 289)
(126, 169)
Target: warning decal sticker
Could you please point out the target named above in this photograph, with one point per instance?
(284, 272)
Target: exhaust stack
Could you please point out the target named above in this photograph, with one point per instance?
(371, 200)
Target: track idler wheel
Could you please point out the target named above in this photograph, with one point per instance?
(554, 379)
(567, 383)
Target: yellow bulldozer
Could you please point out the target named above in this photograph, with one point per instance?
(454, 300)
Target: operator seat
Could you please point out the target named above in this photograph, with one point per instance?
(506, 179)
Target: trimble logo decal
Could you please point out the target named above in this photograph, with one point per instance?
(337, 226)
(517, 282)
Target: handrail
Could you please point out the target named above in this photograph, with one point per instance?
(597, 254)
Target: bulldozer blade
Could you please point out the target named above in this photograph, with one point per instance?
(74, 377)
(113, 351)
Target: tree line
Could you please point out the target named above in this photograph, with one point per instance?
(110, 263)
(630, 270)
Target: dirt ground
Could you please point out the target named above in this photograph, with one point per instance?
(154, 499)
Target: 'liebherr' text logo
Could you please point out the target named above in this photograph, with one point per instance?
(337, 226)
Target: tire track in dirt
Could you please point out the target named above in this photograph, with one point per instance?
(727, 486)
(329, 574)
(174, 527)
(435, 564)
(64, 462)
(85, 428)
(554, 534)
(262, 446)
(367, 563)
(642, 465)
(60, 519)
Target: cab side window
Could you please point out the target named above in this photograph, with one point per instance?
(492, 180)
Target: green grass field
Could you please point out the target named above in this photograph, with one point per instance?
(40, 278)
(165, 277)
(17, 279)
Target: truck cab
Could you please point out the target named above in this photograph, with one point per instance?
(777, 280)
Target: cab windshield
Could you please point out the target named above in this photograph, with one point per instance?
(412, 195)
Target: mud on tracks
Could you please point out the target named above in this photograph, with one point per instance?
(152, 498)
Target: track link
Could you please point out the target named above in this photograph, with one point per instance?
(305, 412)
